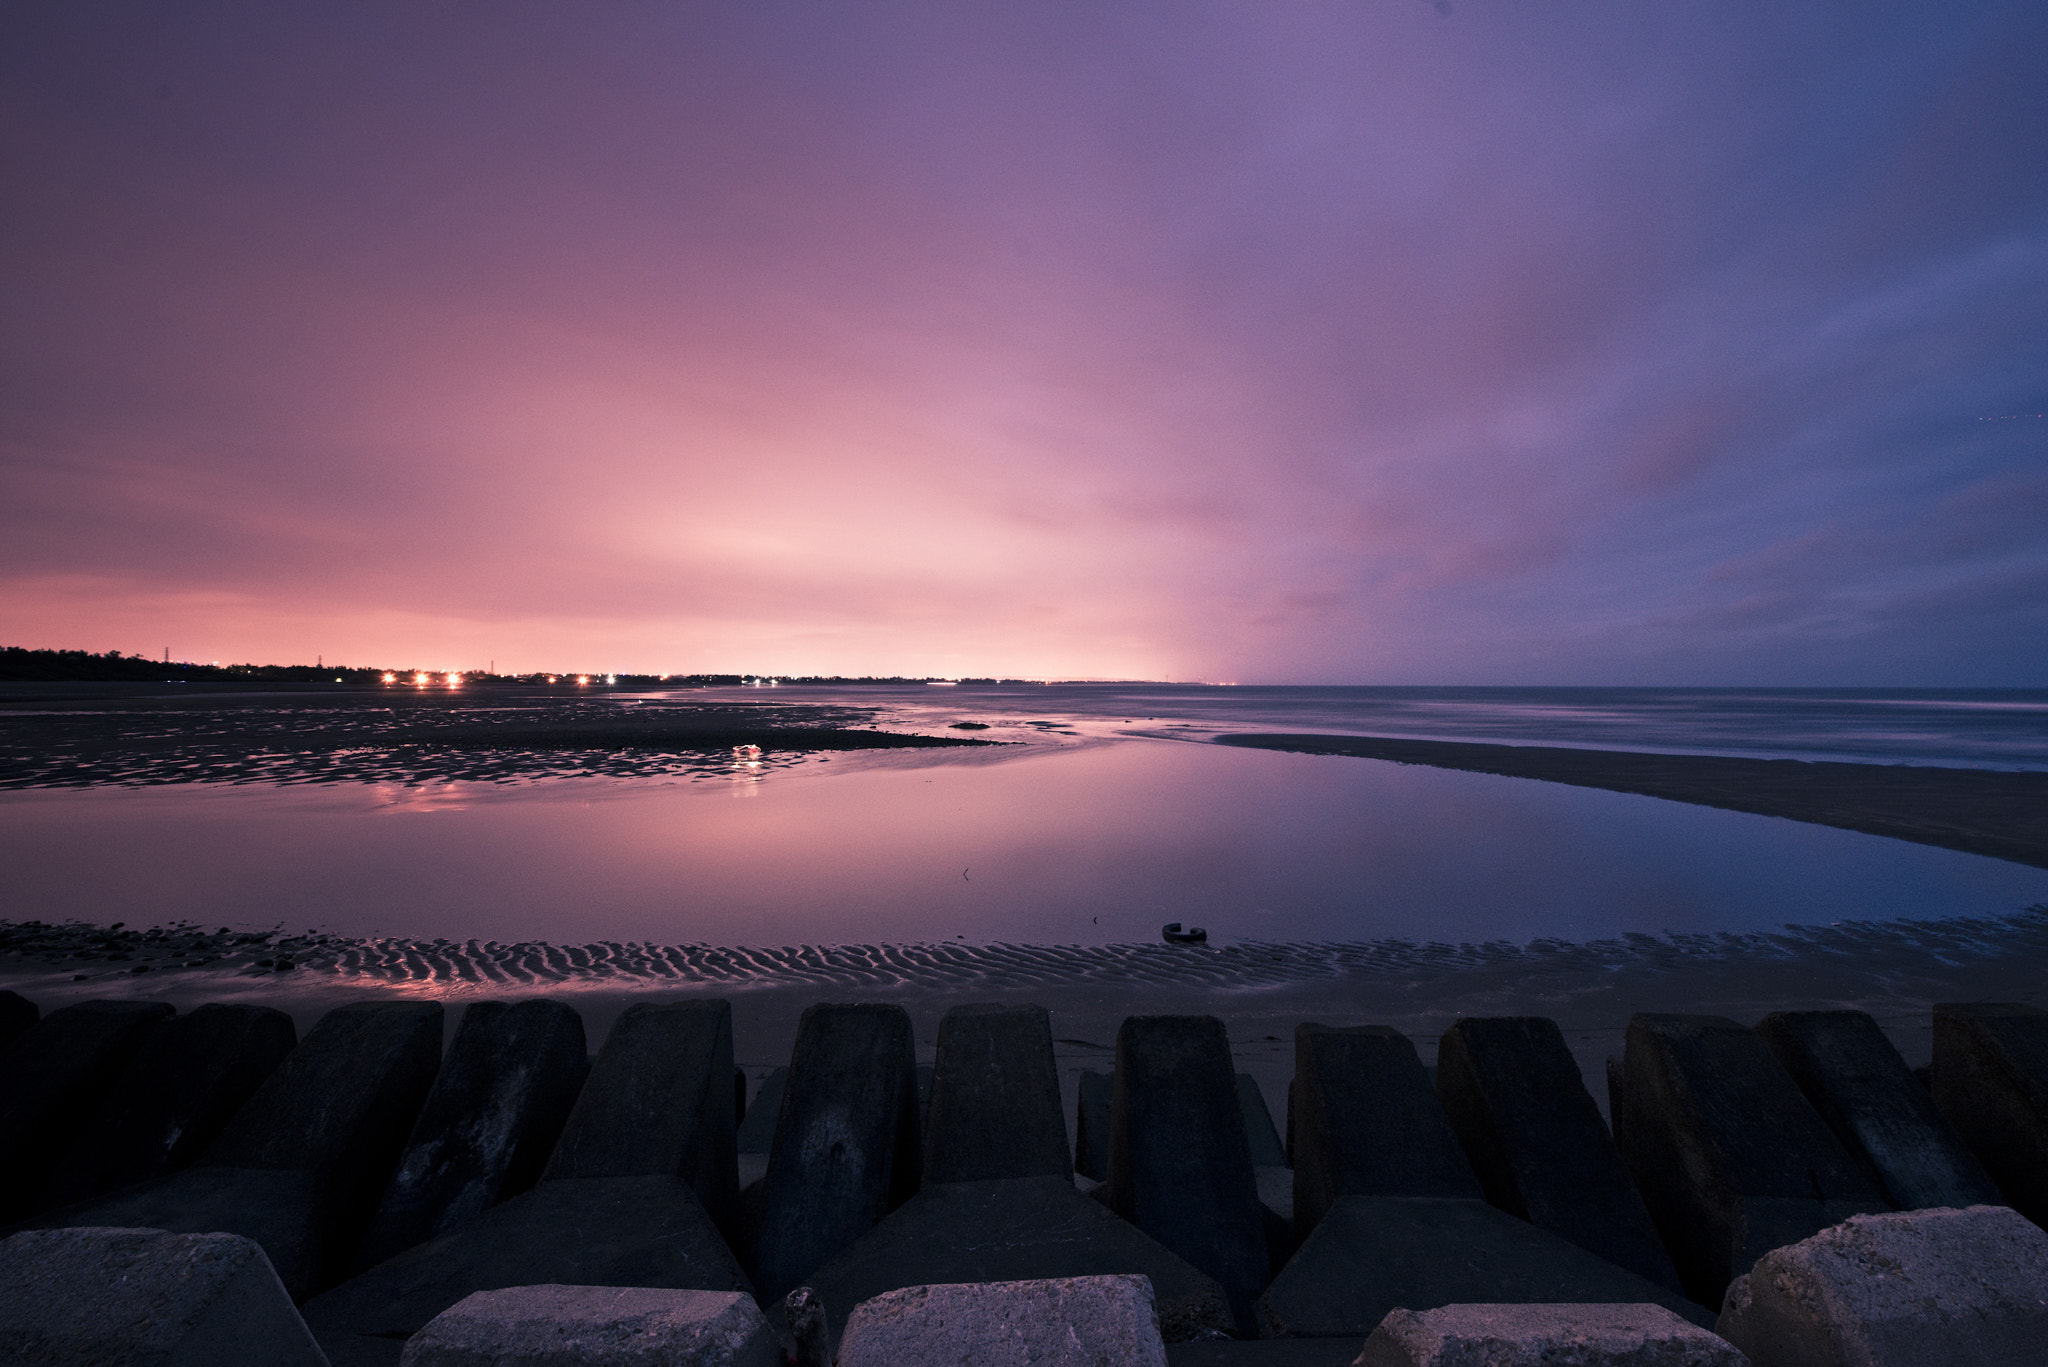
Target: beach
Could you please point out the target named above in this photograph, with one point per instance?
(1895, 971)
(1979, 811)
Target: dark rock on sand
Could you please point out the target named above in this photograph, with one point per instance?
(192, 1074)
(1877, 1109)
(1991, 1081)
(1730, 1157)
(300, 1167)
(1015, 1229)
(995, 1098)
(17, 1013)
(1180, 1168)
(1536, 1141)
(52, 1079)
(1373, 1253)
(504, 1090)
(847, 1148)
(1367, 1123)
(581, 1231)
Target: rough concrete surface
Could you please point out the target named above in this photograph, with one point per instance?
(1018, 1229)
(995, 1098)
(1991, 1080)
(1619, 1335)
(1060, 1322)
(1731, 1158)
(586, 1231)
(1536, 1142)
(129, 1297)
(488, 1124)
(1862, 1088)
(1180, 1167)
(175, 1097)
(1373, 1254)
(1921, 1288)
(596, 1326)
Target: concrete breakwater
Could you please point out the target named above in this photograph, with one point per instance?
(387, 1181)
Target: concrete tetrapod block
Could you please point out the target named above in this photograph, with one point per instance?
(572, 1231)
(52, 1078)
(596, 1326)
(1923, 1288)
(757, 1131)
(93, 1297)
(995, 1099)
(1015, 1229)
(1180, 1167)
(1877, 1109)
(1537, 1335)
(658, 1101)
(846, 1144)
(192, 1074)
(1991, 1081)
(300, 1167)
(1058, 1322)
(495, 1111)
(1341, 1352)
(1519, 1106)
(17, 1013)
(1367, 1123)
(1730, 1157)
(1091, 1125)
(1260, 1134)
(1371, 1254)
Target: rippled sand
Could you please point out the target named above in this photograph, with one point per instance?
(1895, 970)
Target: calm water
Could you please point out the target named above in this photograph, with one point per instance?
(1105, 818)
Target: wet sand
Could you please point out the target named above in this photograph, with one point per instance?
(2003, 814)
(83, 735)
(1896, 971)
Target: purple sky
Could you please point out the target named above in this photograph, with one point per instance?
(1500, 341)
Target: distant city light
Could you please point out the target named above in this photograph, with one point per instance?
(551, 678)
(390, 677)
(583, 678)
(611, 678)
(454, 679)
(420, 678)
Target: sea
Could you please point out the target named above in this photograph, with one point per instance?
(1102, 814)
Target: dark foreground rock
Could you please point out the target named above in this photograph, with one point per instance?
(597, 1326)
(995, 1098)
(1899, 1290)
(1371, 1254)
(588, 1231)
(1583, 1335)
(659, 1102)
(93, 1297)
(1876, 1108)
(1091, 1125)
(488, 1125)
(17, 1013)
(847, 1144)
(1017, 1229)
(1366, 1122)
(1990, 1079)
(1180, 1168)
(52, 1078)
(1515, 1098)
(1338, 1352)
(192, 1074)
(1730, 1157)
(300, 1167)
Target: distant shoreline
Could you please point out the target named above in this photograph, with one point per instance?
(1998, 813)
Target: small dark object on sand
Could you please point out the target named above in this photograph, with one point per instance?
(806, 1316)
(1174, 935)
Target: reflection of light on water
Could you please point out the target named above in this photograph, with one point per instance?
(747, 768)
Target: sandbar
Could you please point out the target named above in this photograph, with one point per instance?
(2000, 813)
